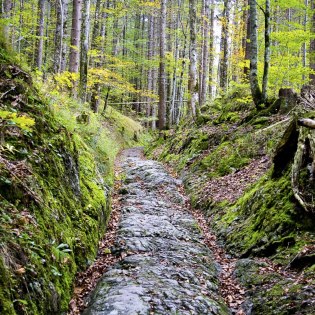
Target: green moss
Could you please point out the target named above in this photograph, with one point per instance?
(264, 221)
(54, 200)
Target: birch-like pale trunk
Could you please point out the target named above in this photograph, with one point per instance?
(193, 81)
(211, 50)
(162, 70)
(84, 51)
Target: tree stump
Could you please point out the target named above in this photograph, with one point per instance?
(288, 100)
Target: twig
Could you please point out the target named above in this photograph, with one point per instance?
(5, 93)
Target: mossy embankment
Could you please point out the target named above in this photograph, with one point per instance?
(55, 178)
(226, 162)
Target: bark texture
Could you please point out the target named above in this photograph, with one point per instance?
(253, 74)
(162, 71)
(193, 81)
(40, 33)
(75, 36)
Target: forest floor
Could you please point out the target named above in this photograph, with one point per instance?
(158, 255)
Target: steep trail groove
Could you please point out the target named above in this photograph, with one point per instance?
(167, 257)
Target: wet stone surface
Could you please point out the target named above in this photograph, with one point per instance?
(166, 268)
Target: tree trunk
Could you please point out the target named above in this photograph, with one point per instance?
(5, 14)
(115, 33)
(172, 116)
(58, 37)
(155, 74)
(253, 74)
(162, 71)
(224, 48)
(192, 81)
(84, 50)
(97, 25)
(246, 42)
(205, 62)
(64, 44)
(150, 70)
(211, 50)
(180, 103)
(267, 52)
(40, 33)
(75, 37)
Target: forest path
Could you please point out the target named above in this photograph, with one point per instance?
(165, 267)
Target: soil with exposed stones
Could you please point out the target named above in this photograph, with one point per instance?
(167, 261)
(166, 266)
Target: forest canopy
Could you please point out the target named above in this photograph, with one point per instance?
(164, 59)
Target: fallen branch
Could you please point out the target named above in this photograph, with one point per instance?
(272, 126)
(307, 122)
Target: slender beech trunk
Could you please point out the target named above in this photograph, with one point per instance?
(201, 31)
(21, 23)
(84, 51)
(211, 50)
(180, 103)
(96, 25)
(47, 41)
(150, 70)
(5, 14)
(267, 52)
(162, 70)
(104, 29)
(116, 32)
(64, 44)
(172, 116)
(155, 73)
(205, 62)
(75, 37)
(40, 33)
(58, 36)
(253, 74)
(224, 48)
(192, 81)
(246, 42)
(96, 33)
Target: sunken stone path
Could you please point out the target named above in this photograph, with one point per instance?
(166, 268)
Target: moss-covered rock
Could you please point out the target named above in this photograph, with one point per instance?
(54, 204)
